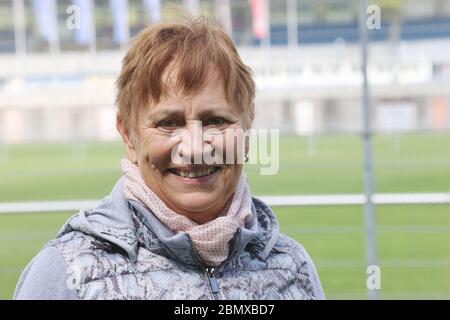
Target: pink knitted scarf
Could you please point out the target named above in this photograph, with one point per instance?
(210, 239)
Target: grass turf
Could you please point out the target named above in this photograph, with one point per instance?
(413, 240)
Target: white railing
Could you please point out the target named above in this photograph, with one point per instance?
(284, 200)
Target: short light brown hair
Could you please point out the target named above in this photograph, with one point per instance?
(195, 43)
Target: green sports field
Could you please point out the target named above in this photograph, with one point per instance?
(413, 240)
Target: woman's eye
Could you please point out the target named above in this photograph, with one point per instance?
(215, 122)
(169, 123)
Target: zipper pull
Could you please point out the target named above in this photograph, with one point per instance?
(212, 280)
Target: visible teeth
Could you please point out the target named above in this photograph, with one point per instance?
(195, 173)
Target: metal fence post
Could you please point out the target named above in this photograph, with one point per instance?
(369, 209)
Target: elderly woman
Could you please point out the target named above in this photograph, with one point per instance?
(173, 228)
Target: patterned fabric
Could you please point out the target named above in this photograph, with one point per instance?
(131, 255)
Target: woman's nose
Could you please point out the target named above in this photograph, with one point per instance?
(194, 144)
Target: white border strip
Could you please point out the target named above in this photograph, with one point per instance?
(358, 199)
(48, 206)
(310, 200)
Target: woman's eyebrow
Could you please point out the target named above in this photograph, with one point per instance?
(218, 109)
(215, 111)
(166, 112)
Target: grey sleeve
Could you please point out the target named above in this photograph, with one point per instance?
(316, 281)
(317, 286)
(312, 271)
(45, 278)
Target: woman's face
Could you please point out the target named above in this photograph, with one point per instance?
(191, 188)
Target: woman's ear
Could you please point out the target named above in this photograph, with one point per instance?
(126, 139)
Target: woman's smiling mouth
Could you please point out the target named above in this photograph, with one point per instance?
(195, 173)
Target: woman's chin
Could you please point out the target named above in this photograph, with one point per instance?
(199, 205)
(200, 201)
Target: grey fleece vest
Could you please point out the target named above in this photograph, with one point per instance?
(131, 255)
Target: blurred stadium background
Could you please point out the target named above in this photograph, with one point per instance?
(58, 140)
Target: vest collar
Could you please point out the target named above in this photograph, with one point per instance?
(127, 224)
(258, 236)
